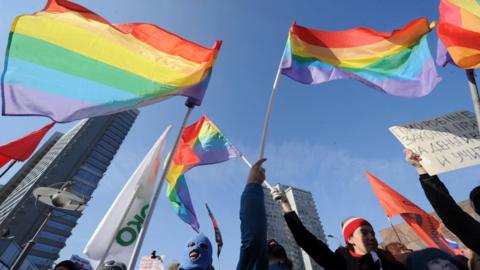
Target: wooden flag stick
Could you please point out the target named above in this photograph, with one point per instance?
(394, 230)
(474, 92)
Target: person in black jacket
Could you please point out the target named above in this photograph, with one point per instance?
(361, 252)
(464, 226)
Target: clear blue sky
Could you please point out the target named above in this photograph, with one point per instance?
(322, 137)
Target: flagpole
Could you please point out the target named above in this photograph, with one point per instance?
(393, 227)
(8, 168)
(268, 114)
(250, 166)
(141, 235)
(474, 92)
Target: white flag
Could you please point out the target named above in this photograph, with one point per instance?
(137, 194)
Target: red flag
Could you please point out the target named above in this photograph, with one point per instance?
(22, 148)
(424, 225)
(218, 235)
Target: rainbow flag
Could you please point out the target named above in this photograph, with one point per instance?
(397, 63)
(68, 63)
(202, 143)
(459, 32)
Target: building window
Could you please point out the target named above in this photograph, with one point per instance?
(52, 236)
(88, 176)
(46, 248)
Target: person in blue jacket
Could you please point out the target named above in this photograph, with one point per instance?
(255, 252)
(253, 222)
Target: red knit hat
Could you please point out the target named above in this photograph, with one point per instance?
(350, 225)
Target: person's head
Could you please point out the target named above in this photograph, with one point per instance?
(359, 235)
(432, 259)
(475, 199)
(65, 265)
(113, 265)
(399, 251)
(198, 254)
(277, 254)
(397, 248)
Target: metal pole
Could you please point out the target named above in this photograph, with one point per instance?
(474, 92)
(138, 245)
(26, 249)
(267, 115)
(393, 227)
(8, 168)
(250, 166)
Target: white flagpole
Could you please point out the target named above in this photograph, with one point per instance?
(269, 112)
(141, 235)
(474, 92)
(250, 166)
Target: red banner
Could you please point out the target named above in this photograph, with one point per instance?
(424, 225)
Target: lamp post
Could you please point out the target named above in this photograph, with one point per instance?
(56, 198)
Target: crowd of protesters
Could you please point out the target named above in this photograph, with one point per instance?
(361, 250)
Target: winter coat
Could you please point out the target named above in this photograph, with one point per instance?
(253, 226)
(342, 258)
(460, 223)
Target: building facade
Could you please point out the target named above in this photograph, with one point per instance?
(80, 157)
(301, 202)
(404, 234)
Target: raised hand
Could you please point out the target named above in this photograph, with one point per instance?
(257, 172)
(414, 160)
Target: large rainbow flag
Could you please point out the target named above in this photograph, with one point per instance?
(397, 63)
(68, 63)
(202, 143)
(459, 32)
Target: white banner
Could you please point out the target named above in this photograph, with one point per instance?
(137, 194)
(149, 263)
(445, 143)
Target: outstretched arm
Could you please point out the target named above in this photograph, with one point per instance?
(253, 252)
(464, 226)
(314, 247)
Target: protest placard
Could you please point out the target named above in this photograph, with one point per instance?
(149, 263)
(445, 143)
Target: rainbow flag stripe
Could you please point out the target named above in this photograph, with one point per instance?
(459, 31)
(397, 63)
(68, 63)
(202, 143)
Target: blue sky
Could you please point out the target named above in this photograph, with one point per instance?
(322, 137)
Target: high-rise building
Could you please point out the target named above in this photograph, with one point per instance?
(301, 202)
(80, 157)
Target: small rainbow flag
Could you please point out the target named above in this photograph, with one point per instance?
(202, 143)
(397, 63)
(459, 32)
(68, 63)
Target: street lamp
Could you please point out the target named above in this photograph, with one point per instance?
(56, 198)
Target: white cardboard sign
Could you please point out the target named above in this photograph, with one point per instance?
(149, 263)
(445, 143)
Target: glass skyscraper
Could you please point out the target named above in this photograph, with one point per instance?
(81, 157)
